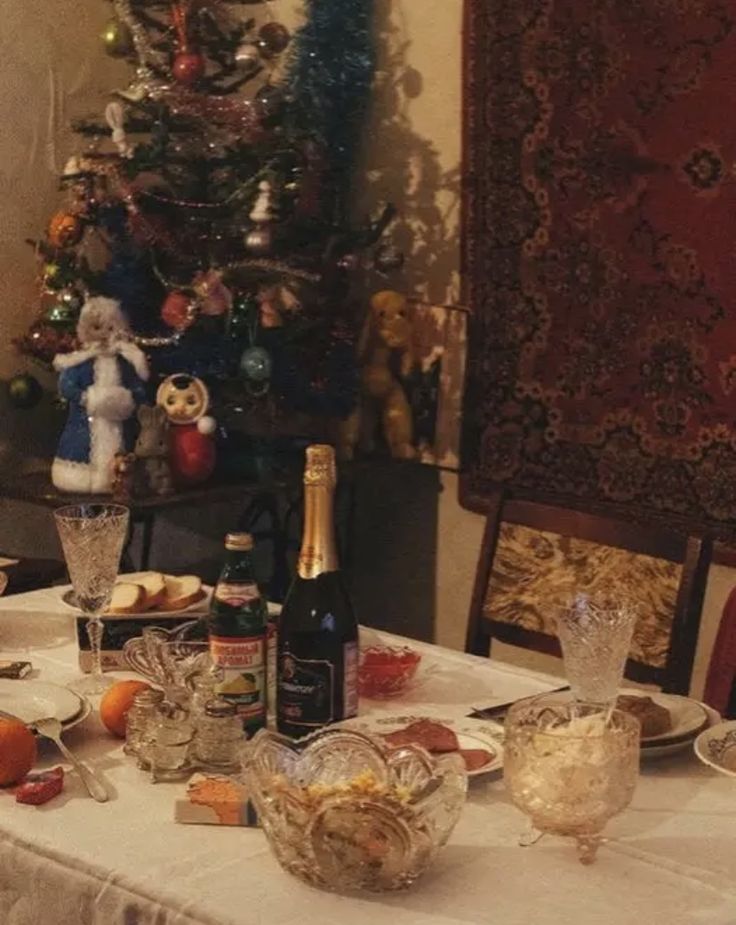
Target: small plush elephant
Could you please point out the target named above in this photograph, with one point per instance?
(153, 472)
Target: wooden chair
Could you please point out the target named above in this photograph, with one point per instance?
(693, 553)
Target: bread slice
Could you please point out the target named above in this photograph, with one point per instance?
(181, 591)
(153, 586)
(127, 597)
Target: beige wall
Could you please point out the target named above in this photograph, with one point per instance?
(53, 66)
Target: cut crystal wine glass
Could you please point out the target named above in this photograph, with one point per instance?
(595, 628)
(92, 537)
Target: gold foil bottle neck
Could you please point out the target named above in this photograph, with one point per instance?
(320, 466)
(239, 542)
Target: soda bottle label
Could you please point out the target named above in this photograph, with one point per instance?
(305, 691)
(236, 593)
(242, 660)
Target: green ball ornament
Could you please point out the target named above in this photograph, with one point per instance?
(24, 391)
(255, 364)
(117, 39)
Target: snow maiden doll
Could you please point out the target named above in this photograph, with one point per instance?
(103, 382)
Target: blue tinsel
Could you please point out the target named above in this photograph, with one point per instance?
(329, 77)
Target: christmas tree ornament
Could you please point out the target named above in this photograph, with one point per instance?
(387, 257)
(247, 58)
(103, 382)
(269, 102)
(214, 297)
(260, 240)
(24, 391)
(117, 39)
(115, 118)
(261, 211)
(179, 310)
(272, 39)
(186, 400)
(189, 65)
(65, 229)
(61, 315)
(255, 364)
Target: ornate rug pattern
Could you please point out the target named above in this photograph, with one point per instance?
(600, 253)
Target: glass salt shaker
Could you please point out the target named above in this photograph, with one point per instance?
(143, 708)
(204, 689)
(170, 740)
(218, 737)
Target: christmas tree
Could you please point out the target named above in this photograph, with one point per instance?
(212, 199)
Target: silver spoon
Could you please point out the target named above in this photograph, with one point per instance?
(50, 728)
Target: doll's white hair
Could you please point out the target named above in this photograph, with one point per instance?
(101, 309)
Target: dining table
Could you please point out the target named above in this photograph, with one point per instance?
(669, 858)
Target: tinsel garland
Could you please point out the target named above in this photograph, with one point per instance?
(328, 81)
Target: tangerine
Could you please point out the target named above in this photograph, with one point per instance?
(115, 703)
(17, 751)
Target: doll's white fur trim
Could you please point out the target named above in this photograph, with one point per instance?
(71, 476)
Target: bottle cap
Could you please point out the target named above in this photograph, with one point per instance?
(219, 708)
(320, 466)
(241, 542)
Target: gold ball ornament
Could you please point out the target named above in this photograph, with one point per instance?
(65, 229)
(117, 39)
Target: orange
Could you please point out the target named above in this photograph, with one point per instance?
(115, 703)
(17, 751)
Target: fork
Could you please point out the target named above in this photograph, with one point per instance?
(50, 728)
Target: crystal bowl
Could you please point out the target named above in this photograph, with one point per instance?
(385, 671)
(571, 767)
(345, 812)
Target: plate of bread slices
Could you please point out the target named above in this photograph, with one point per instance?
(143, 593)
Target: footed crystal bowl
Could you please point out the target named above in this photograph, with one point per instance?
(345, 812)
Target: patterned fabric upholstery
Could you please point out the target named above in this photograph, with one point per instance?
(531, 568)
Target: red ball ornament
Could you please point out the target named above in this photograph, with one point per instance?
(178, 311)
(65, 229)
(188, 67)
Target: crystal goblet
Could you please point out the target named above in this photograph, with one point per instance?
(92, 537)
(595, 628)
(182, 661)
(570, 767)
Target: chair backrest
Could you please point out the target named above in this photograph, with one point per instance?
(527, 547)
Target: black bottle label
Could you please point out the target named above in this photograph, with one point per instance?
(306, 691)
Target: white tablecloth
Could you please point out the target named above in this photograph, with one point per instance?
(671, 857)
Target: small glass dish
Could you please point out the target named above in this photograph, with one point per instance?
(386, 671)
(345, 812)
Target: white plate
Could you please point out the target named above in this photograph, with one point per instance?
(688, 716)
(471, 733)
(199, 606)
(32, 700)
(716, 747)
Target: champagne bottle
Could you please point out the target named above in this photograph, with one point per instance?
(317, 647)
(237, 633)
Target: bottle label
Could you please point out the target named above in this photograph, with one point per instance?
(350, 683)
(305, 691)
(242, 659)
(236, 593)
(271, 659)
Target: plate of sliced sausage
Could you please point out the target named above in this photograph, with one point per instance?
(479, 743)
